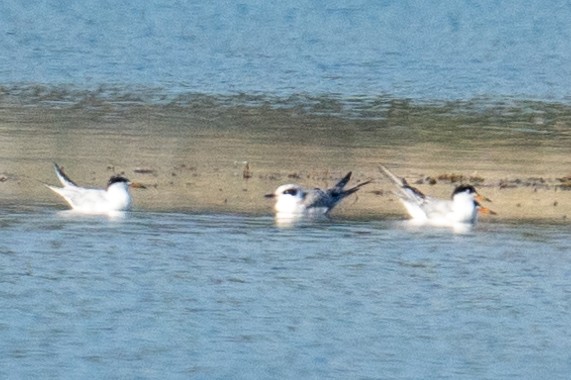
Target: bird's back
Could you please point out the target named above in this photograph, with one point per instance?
(85, 200)
(317, 199)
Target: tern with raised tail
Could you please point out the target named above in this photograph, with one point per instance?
(462, 208)
(294, 201)
(115, 197)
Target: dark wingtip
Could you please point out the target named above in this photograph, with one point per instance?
(61, 173)
(347, 176)
(343, 181)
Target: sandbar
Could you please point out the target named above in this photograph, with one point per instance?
(208, 157)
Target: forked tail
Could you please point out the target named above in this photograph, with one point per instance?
(355, 188)
(339, 186)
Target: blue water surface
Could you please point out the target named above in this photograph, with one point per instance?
(406, 49)
(170, 295)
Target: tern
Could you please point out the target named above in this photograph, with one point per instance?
(115, 197)
(462, 208)
(293, 200)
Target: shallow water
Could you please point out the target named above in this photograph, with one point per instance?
(229, 296)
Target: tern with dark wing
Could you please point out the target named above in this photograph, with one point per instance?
(115, 197)
(294, 200)
(462, 208)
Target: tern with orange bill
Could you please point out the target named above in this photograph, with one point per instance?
(462, 208)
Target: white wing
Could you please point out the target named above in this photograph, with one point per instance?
(87, 200)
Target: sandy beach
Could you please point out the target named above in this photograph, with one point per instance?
(207, 157)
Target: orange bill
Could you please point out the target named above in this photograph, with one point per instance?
(137, 185)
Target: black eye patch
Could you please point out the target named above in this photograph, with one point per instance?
(291, 192)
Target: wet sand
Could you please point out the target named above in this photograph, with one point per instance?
(192, 157)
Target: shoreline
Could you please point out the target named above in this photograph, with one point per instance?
(194, 158)
(188, 189)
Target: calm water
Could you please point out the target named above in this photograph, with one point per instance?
(410, 49)
(169, 295)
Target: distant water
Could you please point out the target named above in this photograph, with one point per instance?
(402, 49)
(169, 295)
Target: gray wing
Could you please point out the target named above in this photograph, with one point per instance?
(407, 192)
(317, 198)
(435, 208)
(329, 198)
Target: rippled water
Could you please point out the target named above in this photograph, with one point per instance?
(410, 49)
(229, 296)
